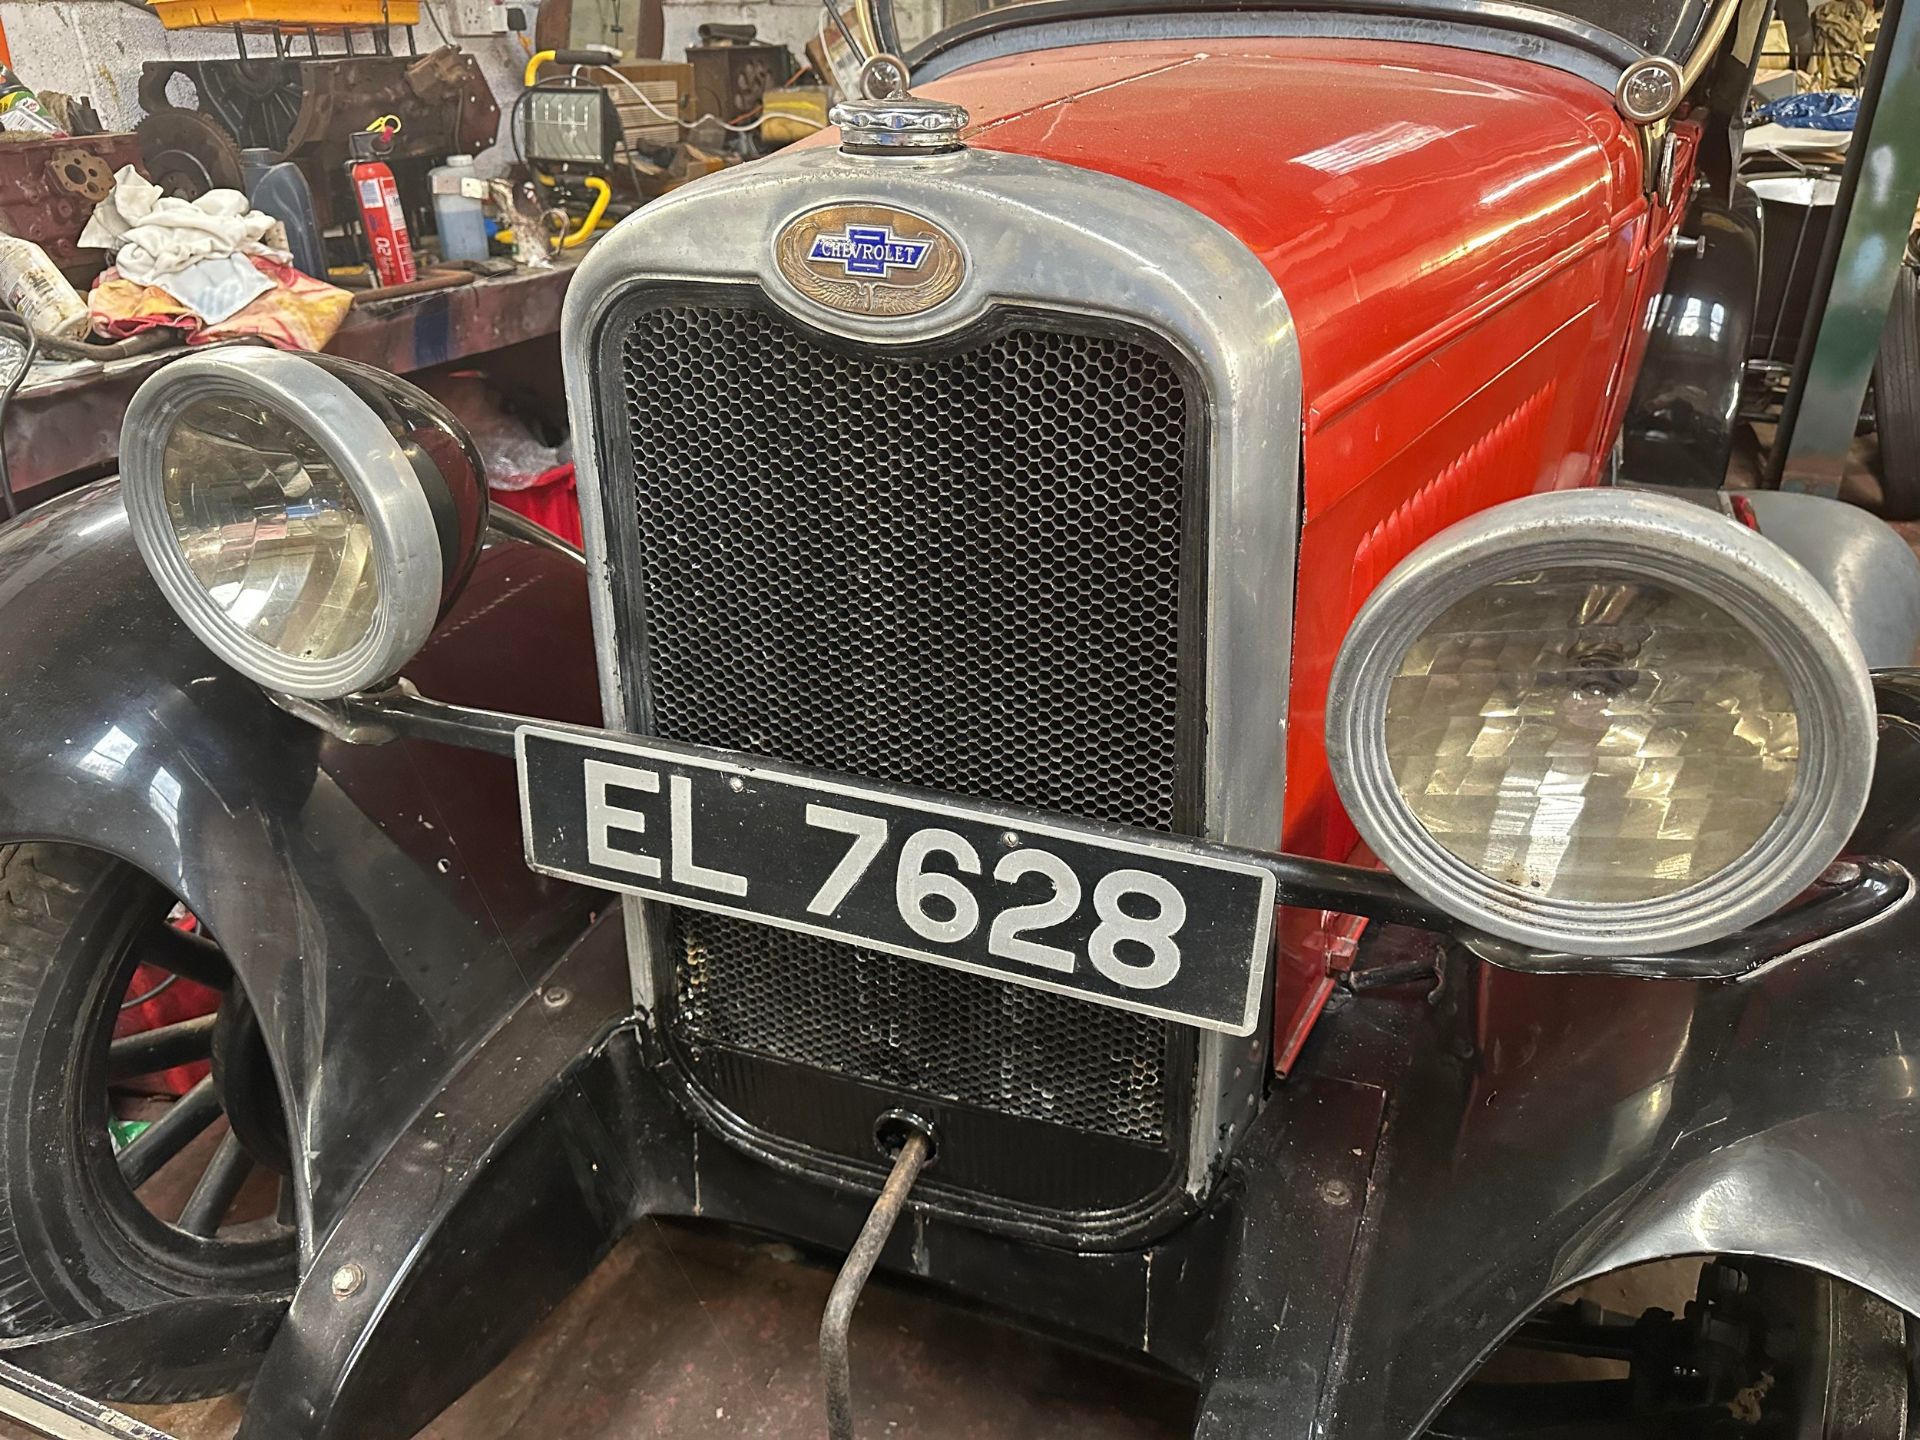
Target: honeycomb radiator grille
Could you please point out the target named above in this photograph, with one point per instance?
(961, 571)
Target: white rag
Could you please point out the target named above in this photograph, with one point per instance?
(195, 250)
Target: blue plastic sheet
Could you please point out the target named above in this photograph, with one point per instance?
(1815, 110)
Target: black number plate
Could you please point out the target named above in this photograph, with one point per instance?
(1164, 927)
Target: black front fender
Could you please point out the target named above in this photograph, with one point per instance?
(1544, 1130)
(373, 900)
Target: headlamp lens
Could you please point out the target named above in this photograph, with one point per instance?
(270, 528)
(1587, 735)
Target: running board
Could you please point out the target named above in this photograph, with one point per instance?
(62, 1414)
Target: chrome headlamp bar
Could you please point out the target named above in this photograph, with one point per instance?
(1850, 895)
(1662, 733)
(308, 519)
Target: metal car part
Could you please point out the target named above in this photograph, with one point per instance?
(888, 126)
(1647, 85)
(1046, 237)
(1422, 1117)
(496, 1161)
(189, 153)
(48, 191)
(1558, 41)
(62, 1414)
(408, 551)
(1680, 423)
(1672, 542)
(1649, 90)
(1853, 894)
(1861, 562)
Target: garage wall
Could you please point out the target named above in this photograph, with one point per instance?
(785, 22)
(96, 47)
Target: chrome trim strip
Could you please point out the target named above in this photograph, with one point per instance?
(1562, 44)
(1042, 234)
(1719, 21)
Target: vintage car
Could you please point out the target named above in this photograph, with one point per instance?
(1162, 690)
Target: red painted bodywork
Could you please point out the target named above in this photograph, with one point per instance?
(1468, 252)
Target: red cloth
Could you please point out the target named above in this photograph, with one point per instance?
(551, 501)
(299, 313)
(182, 1000)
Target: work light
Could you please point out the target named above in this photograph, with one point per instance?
(309, 520)
(1602, 722)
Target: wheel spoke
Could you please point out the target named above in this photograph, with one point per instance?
(170, 1134)
(193, 957)
(160, 1049)
(214, 1195)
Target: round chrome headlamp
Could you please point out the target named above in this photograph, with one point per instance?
(309, 519)
(1602, 722)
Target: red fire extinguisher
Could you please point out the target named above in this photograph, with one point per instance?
(379, 200)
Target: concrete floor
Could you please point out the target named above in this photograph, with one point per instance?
(696, 1333)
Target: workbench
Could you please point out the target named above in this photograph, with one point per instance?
(68, 424)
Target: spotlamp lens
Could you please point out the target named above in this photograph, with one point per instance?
(1587, 735)
(270, 528)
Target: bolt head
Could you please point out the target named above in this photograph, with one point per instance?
(347, 1280)
(1336, 1193)
(1841, 874)
(555, 997)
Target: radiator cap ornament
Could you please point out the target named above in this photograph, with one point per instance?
(899, 125)
(870, 260)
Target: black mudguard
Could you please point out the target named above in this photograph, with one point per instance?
(373, 899)
(1541, 1131)
(1680, 423)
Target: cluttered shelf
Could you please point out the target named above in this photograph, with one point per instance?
(336, 187)
(65, 420)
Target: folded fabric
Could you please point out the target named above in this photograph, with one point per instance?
(193, 249)
(295, 312)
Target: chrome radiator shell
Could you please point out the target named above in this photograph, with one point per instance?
(1038, 236)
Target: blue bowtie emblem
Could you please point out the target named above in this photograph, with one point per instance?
(870, 250)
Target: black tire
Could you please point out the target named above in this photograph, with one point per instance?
(1896, 401)
(76, 1243)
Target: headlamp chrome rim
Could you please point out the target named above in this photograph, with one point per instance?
(1671, 541)
(374, 465)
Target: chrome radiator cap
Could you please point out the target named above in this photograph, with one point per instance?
(900, 124)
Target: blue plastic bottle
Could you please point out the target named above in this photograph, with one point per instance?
(459, 214)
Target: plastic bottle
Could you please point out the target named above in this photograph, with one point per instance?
(459, 211)
(20, 108)
(280, 190)
(32, 285)
(380, 212)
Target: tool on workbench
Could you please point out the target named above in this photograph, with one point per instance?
(566, 130)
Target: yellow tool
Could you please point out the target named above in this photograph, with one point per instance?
(602, 194)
